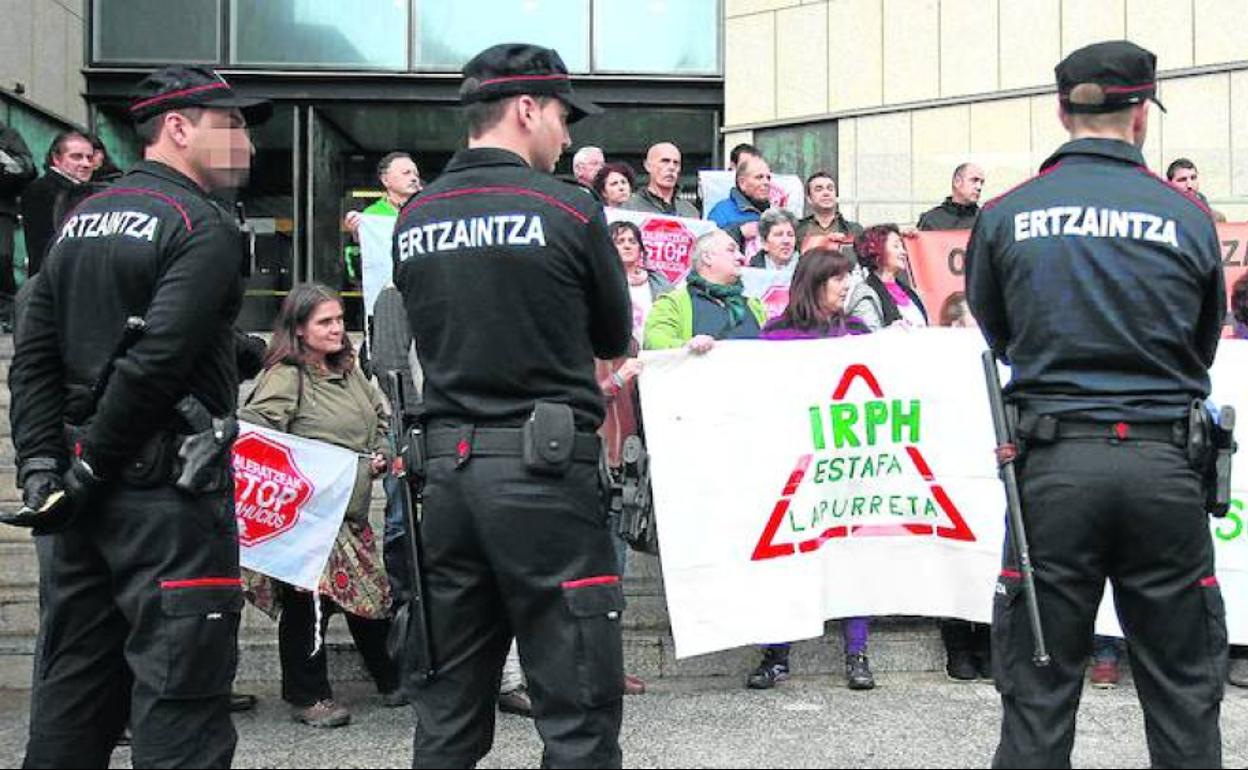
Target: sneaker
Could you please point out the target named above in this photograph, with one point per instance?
(516, 702)
(1237, 674)
(858, 672)
(1105, 674)
(633, 685)
(961, 666)
(324, 713)
(394, 699)
(770, 672)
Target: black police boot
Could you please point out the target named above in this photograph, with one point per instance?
(773, 669)
(858, 672)
(961, 666)
(983, 665)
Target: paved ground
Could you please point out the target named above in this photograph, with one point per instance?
(911, 720)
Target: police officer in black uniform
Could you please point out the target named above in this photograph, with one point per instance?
(1102, 286)
(139, 561)
(512, 287)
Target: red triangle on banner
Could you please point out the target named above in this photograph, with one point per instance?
(957, 529)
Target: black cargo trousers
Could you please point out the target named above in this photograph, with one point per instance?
(508, 552)
(139, 624)
(1132, 512)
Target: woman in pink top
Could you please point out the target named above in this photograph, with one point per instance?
(881, 300)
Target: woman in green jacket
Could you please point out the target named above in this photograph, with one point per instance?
(311, 387)
(709, 305)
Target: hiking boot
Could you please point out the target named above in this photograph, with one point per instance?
(961, 666)
(1237, 674)
(1105, 674)
(771, 671)
(516, 702)
(858, 672)
(323, 713)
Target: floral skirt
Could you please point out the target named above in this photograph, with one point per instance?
(354, 578)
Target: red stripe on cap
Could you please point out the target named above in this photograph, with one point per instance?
(423, 199)
(175, 94)
(186, 218)
(521, 78)
(1010, 574)
(1128, 89)
(1209, 582)
(203, 583)
(600, 580)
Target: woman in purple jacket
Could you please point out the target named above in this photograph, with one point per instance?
(817, 310)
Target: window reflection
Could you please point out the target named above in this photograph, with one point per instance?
(657, 36)
(363, 33)
(450, 32)
(156, 30)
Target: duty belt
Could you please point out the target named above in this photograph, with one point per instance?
(1047, 429)
(499, 442)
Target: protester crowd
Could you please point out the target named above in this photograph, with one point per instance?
(845, 278)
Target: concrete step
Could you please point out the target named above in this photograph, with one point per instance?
(19, 568)
(19, 612)
(897, 645)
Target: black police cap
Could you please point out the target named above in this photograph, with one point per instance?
(512, 69)
(1126, 73)
(180, 86)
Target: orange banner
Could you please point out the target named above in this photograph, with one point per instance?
(938, 263)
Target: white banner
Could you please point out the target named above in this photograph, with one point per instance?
(376, 236)
(668, 241)
(805, 480)
(290, 496)
(787, 190)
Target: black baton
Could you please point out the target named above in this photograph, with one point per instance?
(410, 475)
(1006, 454)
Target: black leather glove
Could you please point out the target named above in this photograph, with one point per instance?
(39, 487)
(80, 482)
(51, 501)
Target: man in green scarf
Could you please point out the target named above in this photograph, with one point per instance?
(709, 305)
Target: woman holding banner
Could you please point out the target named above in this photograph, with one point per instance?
(881, 300)
(816, 311)
(311, 387)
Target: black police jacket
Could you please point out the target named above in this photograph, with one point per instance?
(1101, 285)
(155, 245)
(512, 287)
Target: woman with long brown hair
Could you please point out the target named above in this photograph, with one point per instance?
(311, 387)
(817, 310)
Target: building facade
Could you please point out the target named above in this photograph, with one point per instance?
(890, 95)
(41, 83)
(354, 81)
